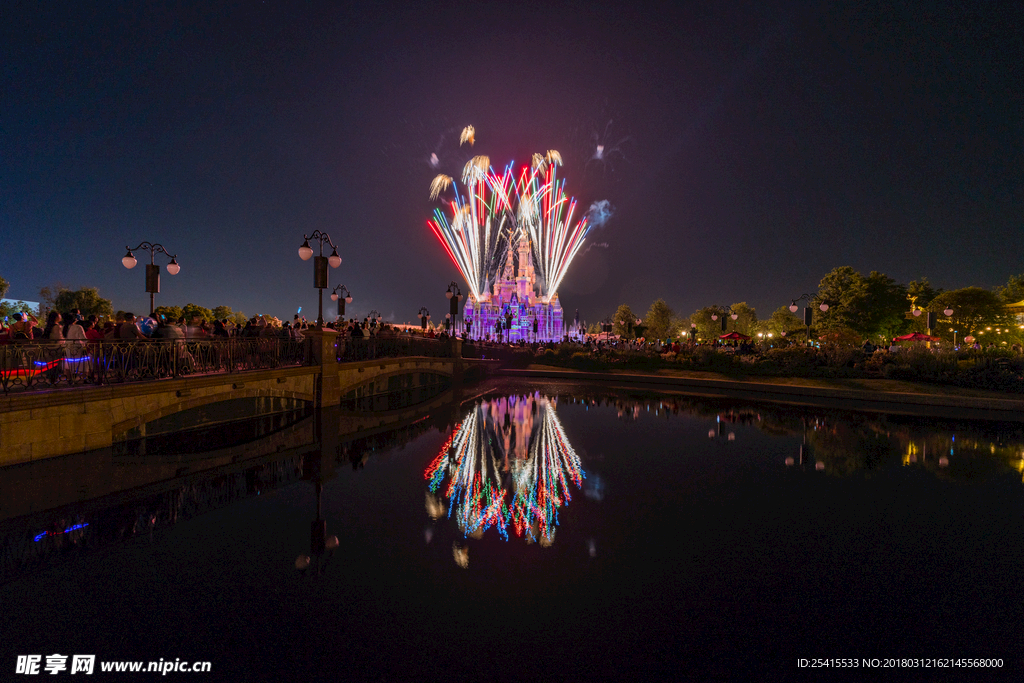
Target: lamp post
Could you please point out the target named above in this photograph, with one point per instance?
(152, 270)
(808, 313)
(375, 318)
(640, 328)
(933, 321)
(342, 296)
(320, 264)
(726, 311)
(424, 317)
(454, 295)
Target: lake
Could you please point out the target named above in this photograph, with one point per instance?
(541, 531)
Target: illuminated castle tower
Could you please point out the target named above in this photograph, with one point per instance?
(513, 309)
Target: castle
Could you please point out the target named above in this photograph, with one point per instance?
(512, 311)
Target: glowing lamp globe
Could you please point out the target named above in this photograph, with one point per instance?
(948, 312)
(173, 268)
(334, 296)
(823, 307)
(792, 308)
(305, 251)
(348, 299)
(734, 316)
(448, 294)
(917, 312)
(714, 316)
(334, 259)
(129, 261)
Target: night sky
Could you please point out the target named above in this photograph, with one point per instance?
(749, 148)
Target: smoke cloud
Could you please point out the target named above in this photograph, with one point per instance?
(599, 213)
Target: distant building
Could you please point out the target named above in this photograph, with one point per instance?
(1017, 311)
(33, 305)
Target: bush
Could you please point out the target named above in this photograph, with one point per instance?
(584, 361)
(798, 361)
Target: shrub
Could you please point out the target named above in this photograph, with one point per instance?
(799, 361)
(584, 361)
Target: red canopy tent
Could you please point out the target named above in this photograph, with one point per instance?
(734, 336)
(915, 336)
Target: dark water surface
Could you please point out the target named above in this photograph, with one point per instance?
(561, 532)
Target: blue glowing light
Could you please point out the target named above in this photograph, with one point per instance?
(73, 527)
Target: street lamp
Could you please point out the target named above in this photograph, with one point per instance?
(342, 296)
(424, 317)
(454, 295)
(807, 312)
(152, 270)
(320, 264)
(726, 310)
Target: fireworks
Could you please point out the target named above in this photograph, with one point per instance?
(468, 135)
(441, 183)
(497, 206)
(509, 464)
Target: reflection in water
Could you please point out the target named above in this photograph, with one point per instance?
(838, 442)
(35, 541)
(508, 464)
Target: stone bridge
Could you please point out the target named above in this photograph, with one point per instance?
(370, 393)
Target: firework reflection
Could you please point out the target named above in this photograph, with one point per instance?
(508, 464)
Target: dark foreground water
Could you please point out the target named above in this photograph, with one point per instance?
(558, 533)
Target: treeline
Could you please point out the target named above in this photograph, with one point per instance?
(848, 307)
(88, 301)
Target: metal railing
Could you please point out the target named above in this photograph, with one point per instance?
(35, 366)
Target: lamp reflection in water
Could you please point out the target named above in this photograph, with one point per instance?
(508, 465)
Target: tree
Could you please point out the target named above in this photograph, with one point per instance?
(48, 297)
(872, 306)
(782, 320)
(169, 313)
(885, 307)
(225, 313)
(746, 319)
(4, 286)
(7, 309)
(658, 320)
(974, 309)
(1013, 292)
(191, 311)
(623, 321)
(87, 300)
(707, 329)
(921, 293)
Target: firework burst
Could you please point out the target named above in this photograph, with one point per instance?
(496, 205)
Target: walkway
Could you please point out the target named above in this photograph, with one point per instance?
(873, 395)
